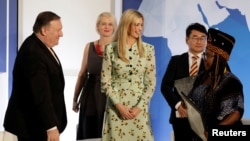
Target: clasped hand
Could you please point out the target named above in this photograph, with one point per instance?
(127, 113)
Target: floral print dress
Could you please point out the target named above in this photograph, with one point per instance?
(131, 84)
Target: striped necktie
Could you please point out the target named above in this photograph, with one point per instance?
(194, 67)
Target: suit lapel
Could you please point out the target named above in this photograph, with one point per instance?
(185, 64)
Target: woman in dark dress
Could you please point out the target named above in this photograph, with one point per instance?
(92, 101)
(217, 92)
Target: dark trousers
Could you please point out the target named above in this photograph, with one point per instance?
(29, 139)
(89, 127)
(182, 130)
(33, 138)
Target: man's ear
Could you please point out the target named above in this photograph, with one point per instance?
(186, 39)
(43, 31)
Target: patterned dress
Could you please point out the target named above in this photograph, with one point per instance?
(131, 84)
(93, 101)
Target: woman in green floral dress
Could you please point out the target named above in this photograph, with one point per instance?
(128, 79)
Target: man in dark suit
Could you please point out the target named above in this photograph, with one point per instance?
(36, 109)
(180, 67)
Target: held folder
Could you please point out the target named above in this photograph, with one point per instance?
(183, 87)
(194, 117)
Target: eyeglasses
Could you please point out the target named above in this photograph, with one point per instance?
(206, 55)
(201, 39)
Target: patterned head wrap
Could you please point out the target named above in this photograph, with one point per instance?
(220, 42)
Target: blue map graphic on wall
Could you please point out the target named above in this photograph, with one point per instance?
(164, 27)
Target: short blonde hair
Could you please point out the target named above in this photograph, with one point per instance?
(107, 15)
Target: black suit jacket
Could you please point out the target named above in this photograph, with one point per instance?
(178, 68)
(37, 99)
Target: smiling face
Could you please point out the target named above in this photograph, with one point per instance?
(106, 24)
(135, 30)
(105, 27)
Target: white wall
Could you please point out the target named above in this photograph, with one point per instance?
(3, 97)
(79, 19)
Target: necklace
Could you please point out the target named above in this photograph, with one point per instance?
(98, 49)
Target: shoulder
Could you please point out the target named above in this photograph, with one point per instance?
(231, 83)
(32, 40)
(87, 46)
(231, 78)
(33, 45)
(92, 43)
(111, 48)
(148, 46)
(180, 56)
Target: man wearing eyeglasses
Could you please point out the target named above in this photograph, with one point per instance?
(181, 66)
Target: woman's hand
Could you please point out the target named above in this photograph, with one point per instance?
(135, 111)
(124, 111)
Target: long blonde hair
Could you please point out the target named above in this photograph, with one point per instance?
(127, 19)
